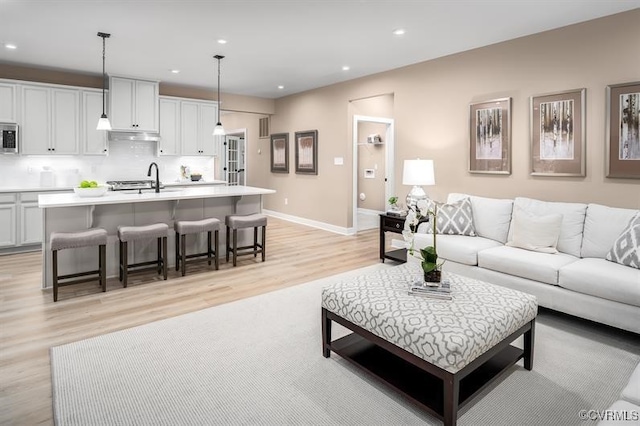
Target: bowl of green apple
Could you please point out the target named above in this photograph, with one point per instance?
(90, 188)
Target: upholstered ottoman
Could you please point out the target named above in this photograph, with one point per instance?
(425, 347)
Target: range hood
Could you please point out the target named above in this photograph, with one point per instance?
(134, 136)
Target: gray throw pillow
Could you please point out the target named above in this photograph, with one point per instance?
(454, 218)
(626, 249)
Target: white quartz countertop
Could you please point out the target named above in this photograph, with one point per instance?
(70, 188)
(122, 197)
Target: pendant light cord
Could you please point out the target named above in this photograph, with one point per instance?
(103, 73)
(219, 89)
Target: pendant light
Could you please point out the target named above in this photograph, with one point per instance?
(218, 130)
(103, 122)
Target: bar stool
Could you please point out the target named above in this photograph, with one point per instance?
(186, 227)
(135, 233)
(68, 240)
(254, 221)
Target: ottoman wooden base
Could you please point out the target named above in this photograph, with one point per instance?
(436, 390)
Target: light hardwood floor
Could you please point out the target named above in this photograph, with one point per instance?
(30, 323)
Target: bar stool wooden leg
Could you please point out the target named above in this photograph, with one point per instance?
(103, 266)
(209, 248)
(125, 263)
(264, 242)
(55, 275)
(217, 251)
(228, 246)
(183, 254)
(255, 241)
(235, 246)
(120, 261)
(164, 257)
(159, 256)
(177, 251)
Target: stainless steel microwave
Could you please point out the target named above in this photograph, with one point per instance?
(9, 138)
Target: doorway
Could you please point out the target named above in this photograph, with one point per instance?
(373, 169)
(234, 162)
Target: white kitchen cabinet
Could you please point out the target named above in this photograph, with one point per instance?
(133, 104)
(197, 123)
(50, 120)
(169, 143)
(30, 224)
(94, 142)
(8, 222)
(8, 102)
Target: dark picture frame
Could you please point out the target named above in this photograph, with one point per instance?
(490, 137)
(623, 130)
(280, 153)
(307, 152)
(558, 133)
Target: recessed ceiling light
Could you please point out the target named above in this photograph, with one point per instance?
(175, 71)
(281, 87)
(346, 68)
(222, 41)
(10, 46)
(398, 32)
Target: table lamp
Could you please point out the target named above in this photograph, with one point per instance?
(417, 172)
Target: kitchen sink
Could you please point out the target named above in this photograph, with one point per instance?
(147, 191)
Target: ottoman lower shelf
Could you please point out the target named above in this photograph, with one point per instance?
(421, 382)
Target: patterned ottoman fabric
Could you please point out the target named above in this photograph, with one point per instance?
(446, 333)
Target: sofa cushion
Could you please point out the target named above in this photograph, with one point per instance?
(491, 216)
(452, 218)
(626, 249)
(533, 265)
(632, 392)
(457, 248)
(602, 225)
(536, 233)
(600, 278)
(573, 214)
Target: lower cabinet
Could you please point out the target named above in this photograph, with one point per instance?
(8, 221)
(20, 222)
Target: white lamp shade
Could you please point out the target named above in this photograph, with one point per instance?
(418, 172)
(103, 123)
(219, 130)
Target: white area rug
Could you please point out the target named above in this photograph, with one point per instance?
(259, 361)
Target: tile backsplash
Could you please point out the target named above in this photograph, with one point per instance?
(126, 161)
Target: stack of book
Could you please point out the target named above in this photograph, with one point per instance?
(442, 291)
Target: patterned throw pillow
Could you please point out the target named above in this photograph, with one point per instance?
(453, 219)
(626, 249)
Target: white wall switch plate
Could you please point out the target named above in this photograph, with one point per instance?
(338, 161)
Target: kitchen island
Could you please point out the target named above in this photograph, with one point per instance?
(70, 213)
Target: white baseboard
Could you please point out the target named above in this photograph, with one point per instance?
(369, 212)
(312, 223)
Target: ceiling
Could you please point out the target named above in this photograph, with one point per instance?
(299, 44)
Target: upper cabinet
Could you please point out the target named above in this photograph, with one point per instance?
(169, 126)
(8, 102)
(94, 142)
(133, 104)
(198, 121)
(50, 120)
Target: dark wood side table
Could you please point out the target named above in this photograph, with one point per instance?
(390, 223)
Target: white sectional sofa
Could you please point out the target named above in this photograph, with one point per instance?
(626, 410)
(577, 279)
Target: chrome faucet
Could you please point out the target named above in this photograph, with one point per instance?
(157, 176)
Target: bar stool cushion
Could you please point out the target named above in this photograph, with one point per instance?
(248, 221)
(196, 226)
(133, 233)
(89, 238)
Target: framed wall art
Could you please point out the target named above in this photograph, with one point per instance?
(280, 153)
(490, 137)
(307, 152)
(623, 130)
(557, 124)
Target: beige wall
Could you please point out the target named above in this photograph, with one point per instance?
(431, 108)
